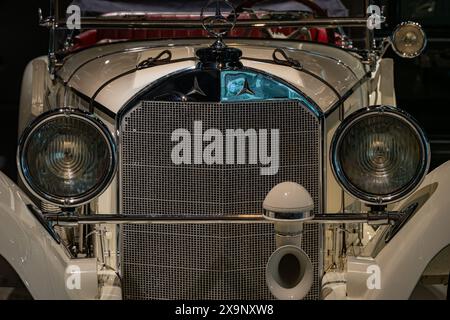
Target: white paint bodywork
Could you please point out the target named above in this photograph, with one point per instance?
(339, 68)
(403, 259)
(41, 262)
(37, 258)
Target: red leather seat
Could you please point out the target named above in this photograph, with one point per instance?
(91, 37)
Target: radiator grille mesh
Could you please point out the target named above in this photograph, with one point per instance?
(208, 261)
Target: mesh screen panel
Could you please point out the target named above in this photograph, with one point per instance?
(208, 261)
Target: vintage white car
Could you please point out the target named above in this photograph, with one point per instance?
(161, 158)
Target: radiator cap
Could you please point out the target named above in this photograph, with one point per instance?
(221, 58)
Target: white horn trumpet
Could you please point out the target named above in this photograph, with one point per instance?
(289, 271)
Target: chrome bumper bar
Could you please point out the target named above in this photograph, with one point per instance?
(69, 219)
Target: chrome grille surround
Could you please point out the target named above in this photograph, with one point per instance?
(209, 261)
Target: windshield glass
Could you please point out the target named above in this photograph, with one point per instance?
(95, 8)
(84, 23)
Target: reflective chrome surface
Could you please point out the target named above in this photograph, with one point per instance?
(378, 168)
(409, 40)
(112, 22)
(65, 168)
(288, 216)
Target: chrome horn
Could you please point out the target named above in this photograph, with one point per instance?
(289, 271)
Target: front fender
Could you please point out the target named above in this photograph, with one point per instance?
(403, 259)
(39, 260)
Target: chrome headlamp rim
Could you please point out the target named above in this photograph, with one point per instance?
(422, 32)
(405, 191)
(70, 201)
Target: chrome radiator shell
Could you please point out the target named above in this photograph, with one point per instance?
(209, 261)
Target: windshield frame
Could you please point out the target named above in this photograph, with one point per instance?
(58, 24)
(136, 20)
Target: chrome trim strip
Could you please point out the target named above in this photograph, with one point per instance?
(44, 222)
(96, 105)
(323, 172)
(289, 216)
(347, 94)
(126, 50)
(313, 106)
(111, 22)
(330, 58)
(237, 43)
(149, 219)
(306, 71)
(341, 98)
(128, 72)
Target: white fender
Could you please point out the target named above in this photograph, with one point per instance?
(35, 82)
(39, 260)
(403, 259)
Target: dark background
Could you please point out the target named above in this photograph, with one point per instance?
(422, 84)
(21, 40)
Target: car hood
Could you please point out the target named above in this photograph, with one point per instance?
(328, 72)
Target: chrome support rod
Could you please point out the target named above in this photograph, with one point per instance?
(100, 23)
(146, 219)
(64, 219)
(371, 218)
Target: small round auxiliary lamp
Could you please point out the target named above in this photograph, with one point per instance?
(409, 40)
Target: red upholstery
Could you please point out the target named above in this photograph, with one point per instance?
(92, 37)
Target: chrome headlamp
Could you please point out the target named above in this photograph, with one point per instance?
(409, 40)
(380, 155)
(67, 157)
